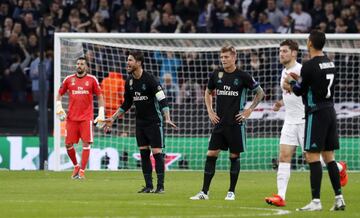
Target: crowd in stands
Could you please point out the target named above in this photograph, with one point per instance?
(20, 21)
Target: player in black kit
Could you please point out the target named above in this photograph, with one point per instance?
(318, 76)
(145, 92)
(230, 84)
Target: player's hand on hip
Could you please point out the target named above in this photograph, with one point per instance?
(169, 122)
(242, 116)
(214, 118)
(277, 105)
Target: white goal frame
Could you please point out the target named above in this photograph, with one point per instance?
(59, 36)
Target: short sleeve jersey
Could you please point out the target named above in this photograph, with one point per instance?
(81, 91)
(294, 107)
(231, 93)
(317, 85)
(142, 92)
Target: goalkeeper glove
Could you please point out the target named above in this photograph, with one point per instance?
(60, 113)
(100, 119)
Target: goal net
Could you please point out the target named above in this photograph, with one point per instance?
(183, 64)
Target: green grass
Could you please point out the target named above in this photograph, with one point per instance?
(113, 194)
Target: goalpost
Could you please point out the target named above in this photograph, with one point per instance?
(183, 63)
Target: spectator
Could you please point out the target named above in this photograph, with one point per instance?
(187, 10)
(17, 29)
(286, 7)
(130, 13)
(168, 64)
(330, 17)
(113, 88)
(248, 27)
(317, 13)
(219, 14)
(16, 77)
(8, 26)
(166, 26)
(4, 11)
(286, 25)
(255, 8)
(203, 20)
(348, 19)
(188, 27)
(301, 18)
(56, 13)
(147, 16)
(171, 90)
(34, 76)
(263, 25)
(274, 14)
(191, 92)
(174, 19)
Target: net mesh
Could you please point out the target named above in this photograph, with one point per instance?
(183, 67)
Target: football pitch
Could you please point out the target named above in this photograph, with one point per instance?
(114, 195)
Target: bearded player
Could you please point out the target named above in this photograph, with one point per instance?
(79, 121)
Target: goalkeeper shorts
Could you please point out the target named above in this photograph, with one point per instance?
(79, 129)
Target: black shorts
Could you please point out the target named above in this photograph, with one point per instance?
(321, 133)
(150, 135)
(232, 138)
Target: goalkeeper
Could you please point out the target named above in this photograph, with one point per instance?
(145, 92)
(80, 88)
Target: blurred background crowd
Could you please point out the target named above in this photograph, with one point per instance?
(20, 30)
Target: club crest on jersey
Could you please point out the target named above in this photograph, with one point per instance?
(73, 81)
(220, 75)
(130, 84)
(143, 87)
(87, 83)
(236, 82)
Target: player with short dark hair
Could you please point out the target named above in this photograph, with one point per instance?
(230, 84)
(144, 91)
(318, 76)
(80, 87)
(292, 133)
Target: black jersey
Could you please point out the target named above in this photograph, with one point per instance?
(317, 84)
(142, 92)
(231, 90)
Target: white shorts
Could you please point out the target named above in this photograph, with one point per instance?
(293, 134)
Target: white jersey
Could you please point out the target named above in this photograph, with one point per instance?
(294, 107)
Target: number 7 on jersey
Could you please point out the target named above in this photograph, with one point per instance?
(331, 78)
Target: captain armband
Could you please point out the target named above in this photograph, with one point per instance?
(160, 95)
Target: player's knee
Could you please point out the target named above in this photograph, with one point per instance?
(69, 146)
(234, 155)
(213, 153)
(286, 158)
(156, 150)
(86, 145)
